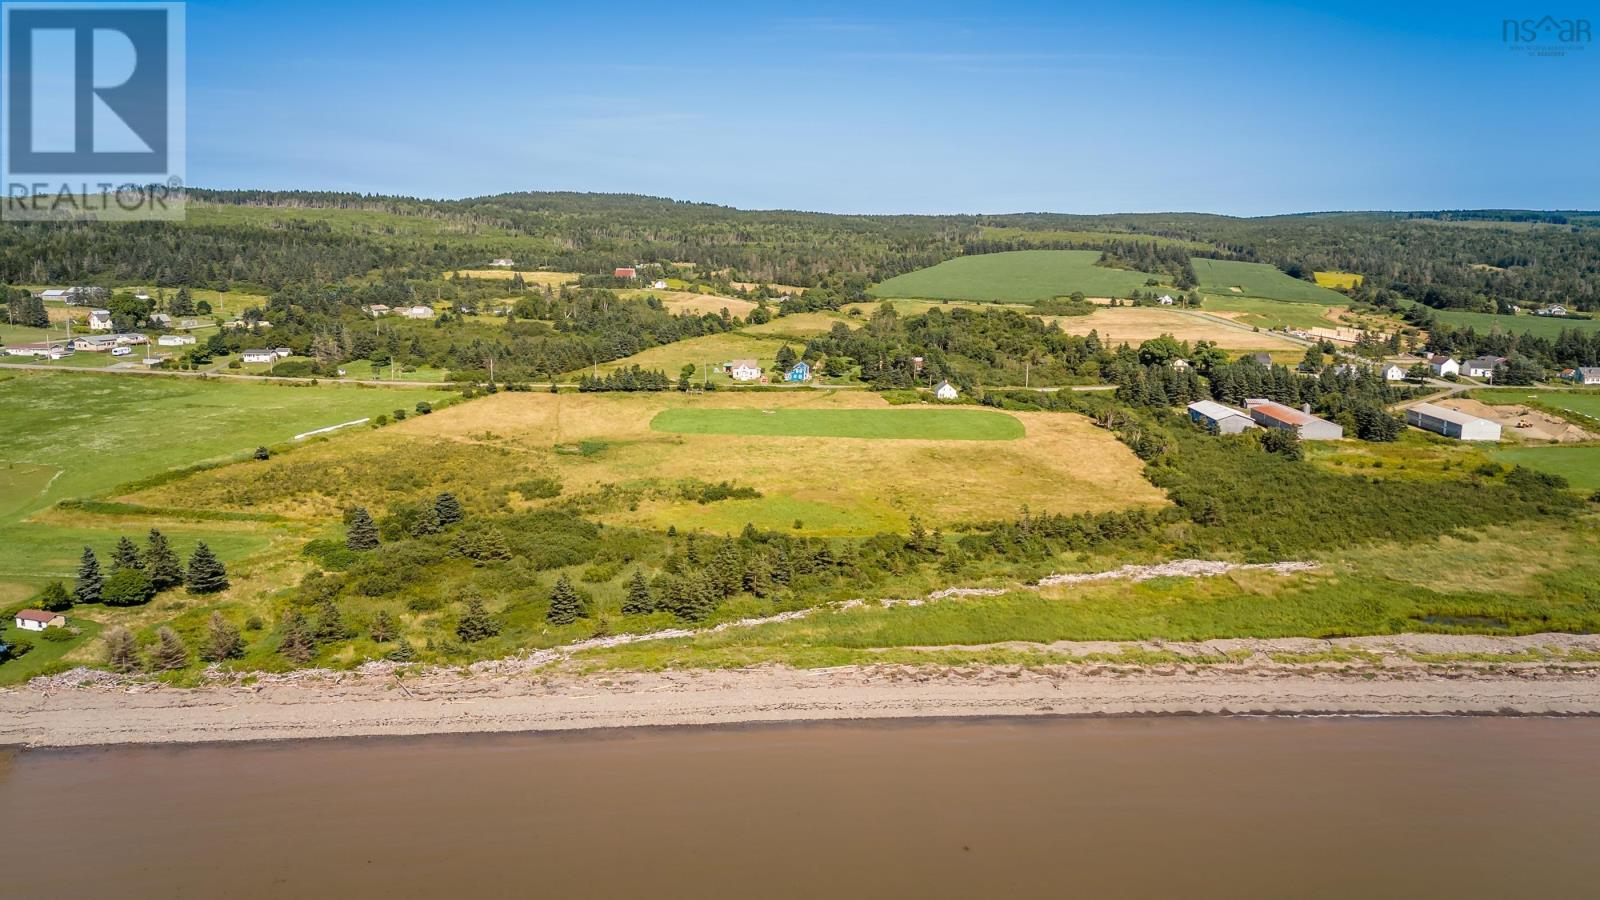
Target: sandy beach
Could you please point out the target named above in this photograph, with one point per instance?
(508, 696)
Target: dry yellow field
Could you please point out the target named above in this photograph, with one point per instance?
(687, 302)
(542, 279)
(613, 467)
(710, 350)
(831, 485)
(1337, 279)
(1132, 325)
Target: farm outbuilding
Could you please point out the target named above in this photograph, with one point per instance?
(1452, 423)
(946, 391)
(1269, 414)
(38, 620)
(1219, 418)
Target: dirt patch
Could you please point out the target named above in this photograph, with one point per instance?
(1523, 423)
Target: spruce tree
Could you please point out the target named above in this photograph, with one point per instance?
(403, 652)
(125, 556)
(222, 640)
(161, 564)
(127, 587)
(90, 582)
(206, 573)
(330, 624)
(122, 651)
(448, 508)
(639, 601)
(55, 598)
(476, 623)
(169, 652)
(296, 643)
(363, 532)
(565, 604)
(383, 627)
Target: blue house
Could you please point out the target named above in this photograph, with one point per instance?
(800, 372)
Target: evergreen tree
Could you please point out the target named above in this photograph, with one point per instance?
(90, 582)
(125, 556)
(170, 652)
(427, 523)
(448, 508)
(383, 627)
(330, 627)
(161, 564)
(55, 598)
(476, 624)
(638, 601)
(222, 640)
(122, 651)
(206, 573)
(565, 604)
(785, 359)
(296, 643)
(362, 533)
(403, 652)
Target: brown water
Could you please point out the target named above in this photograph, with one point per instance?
(1199, 808)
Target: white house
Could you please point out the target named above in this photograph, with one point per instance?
(1452, 423)
(1583, 375)
(54, 294)
(175, 340)
(946, 391)
(1180, 365)
(1164, 300)
(39, 620)
(1392, 372)
(1554, 309)
(161, 319)
(415, 312)
(94, 343)
(129, 339)
(282, 352)
(744, 370)
(259, 356)
(377, 310)
(1482, 367)
(502, 263)
(100, 320)
(658, 285)
(1444, 365)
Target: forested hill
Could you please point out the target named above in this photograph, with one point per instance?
(273, 239)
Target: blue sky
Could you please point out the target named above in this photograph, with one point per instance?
(1237, 108)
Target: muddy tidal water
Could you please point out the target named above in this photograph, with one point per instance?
(1095, 808)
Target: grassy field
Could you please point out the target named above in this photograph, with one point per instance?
(690, 303)
(1268, 313)
(1005, 233)
(612, 464)
(541, 279)
(361, 370)
(878, 424)
(1539, 326)
(77, 435)
(1579, 465)
(1337, 279)
(801, 326)
(1242, 279)
(1130, 324)
(1022, 276)
(711, 350)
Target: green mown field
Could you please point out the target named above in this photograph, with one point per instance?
(1242, 279)
(1269, 313)
(1021, 276)
(1539, 326)
(907, 424)
(1579, 465)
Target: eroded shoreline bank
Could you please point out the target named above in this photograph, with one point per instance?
(1539, 675)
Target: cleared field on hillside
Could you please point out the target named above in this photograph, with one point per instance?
(1539, 326)
(804, 325)
(710, 350)
(1268, 313)
(613, 466)
(1133, 325)
(1337, 279)
(1022, 276)
(1242, 279)
(690, 303)
(542, 279)
(876, 424)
